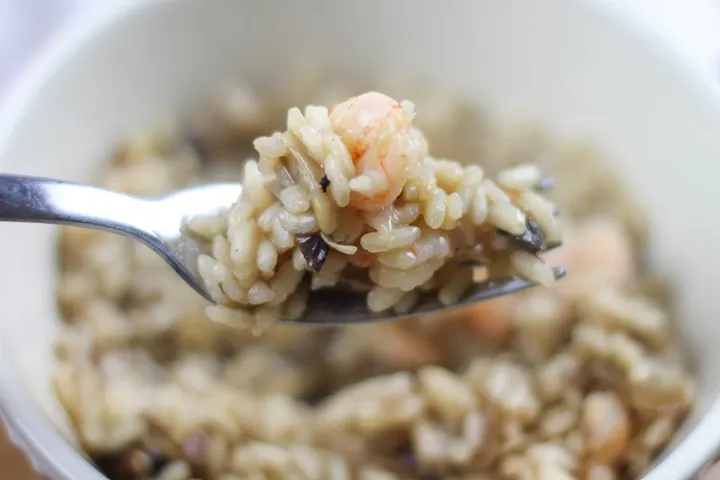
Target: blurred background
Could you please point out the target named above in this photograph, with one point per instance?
(25, 26)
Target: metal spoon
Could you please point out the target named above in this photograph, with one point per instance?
(157, 222)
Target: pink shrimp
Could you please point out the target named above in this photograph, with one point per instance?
(595, 252)
(492, 320)
(402, 348)
(376, 131)
(598, 251)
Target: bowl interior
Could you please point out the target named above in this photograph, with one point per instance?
(568, 64)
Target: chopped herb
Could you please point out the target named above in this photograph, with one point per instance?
(315, 250)
(547, 183)
(532, 239)
(324, 183)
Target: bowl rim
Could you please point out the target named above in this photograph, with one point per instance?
(52, 455)
(49, 452)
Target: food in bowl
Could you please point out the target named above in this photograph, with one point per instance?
(581, 380)
(350, 195)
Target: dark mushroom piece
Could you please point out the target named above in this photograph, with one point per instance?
(324, 183)
(532, 239)
(314, 249)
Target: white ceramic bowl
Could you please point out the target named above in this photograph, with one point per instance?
(575, 65)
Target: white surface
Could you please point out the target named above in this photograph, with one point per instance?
(563, 61)
(692, 25)
(25, 24)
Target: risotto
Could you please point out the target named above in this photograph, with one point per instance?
(582, 379)
(350, 194)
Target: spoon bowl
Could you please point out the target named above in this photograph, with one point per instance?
(159, 223)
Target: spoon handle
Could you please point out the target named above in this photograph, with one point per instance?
(44, 200)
